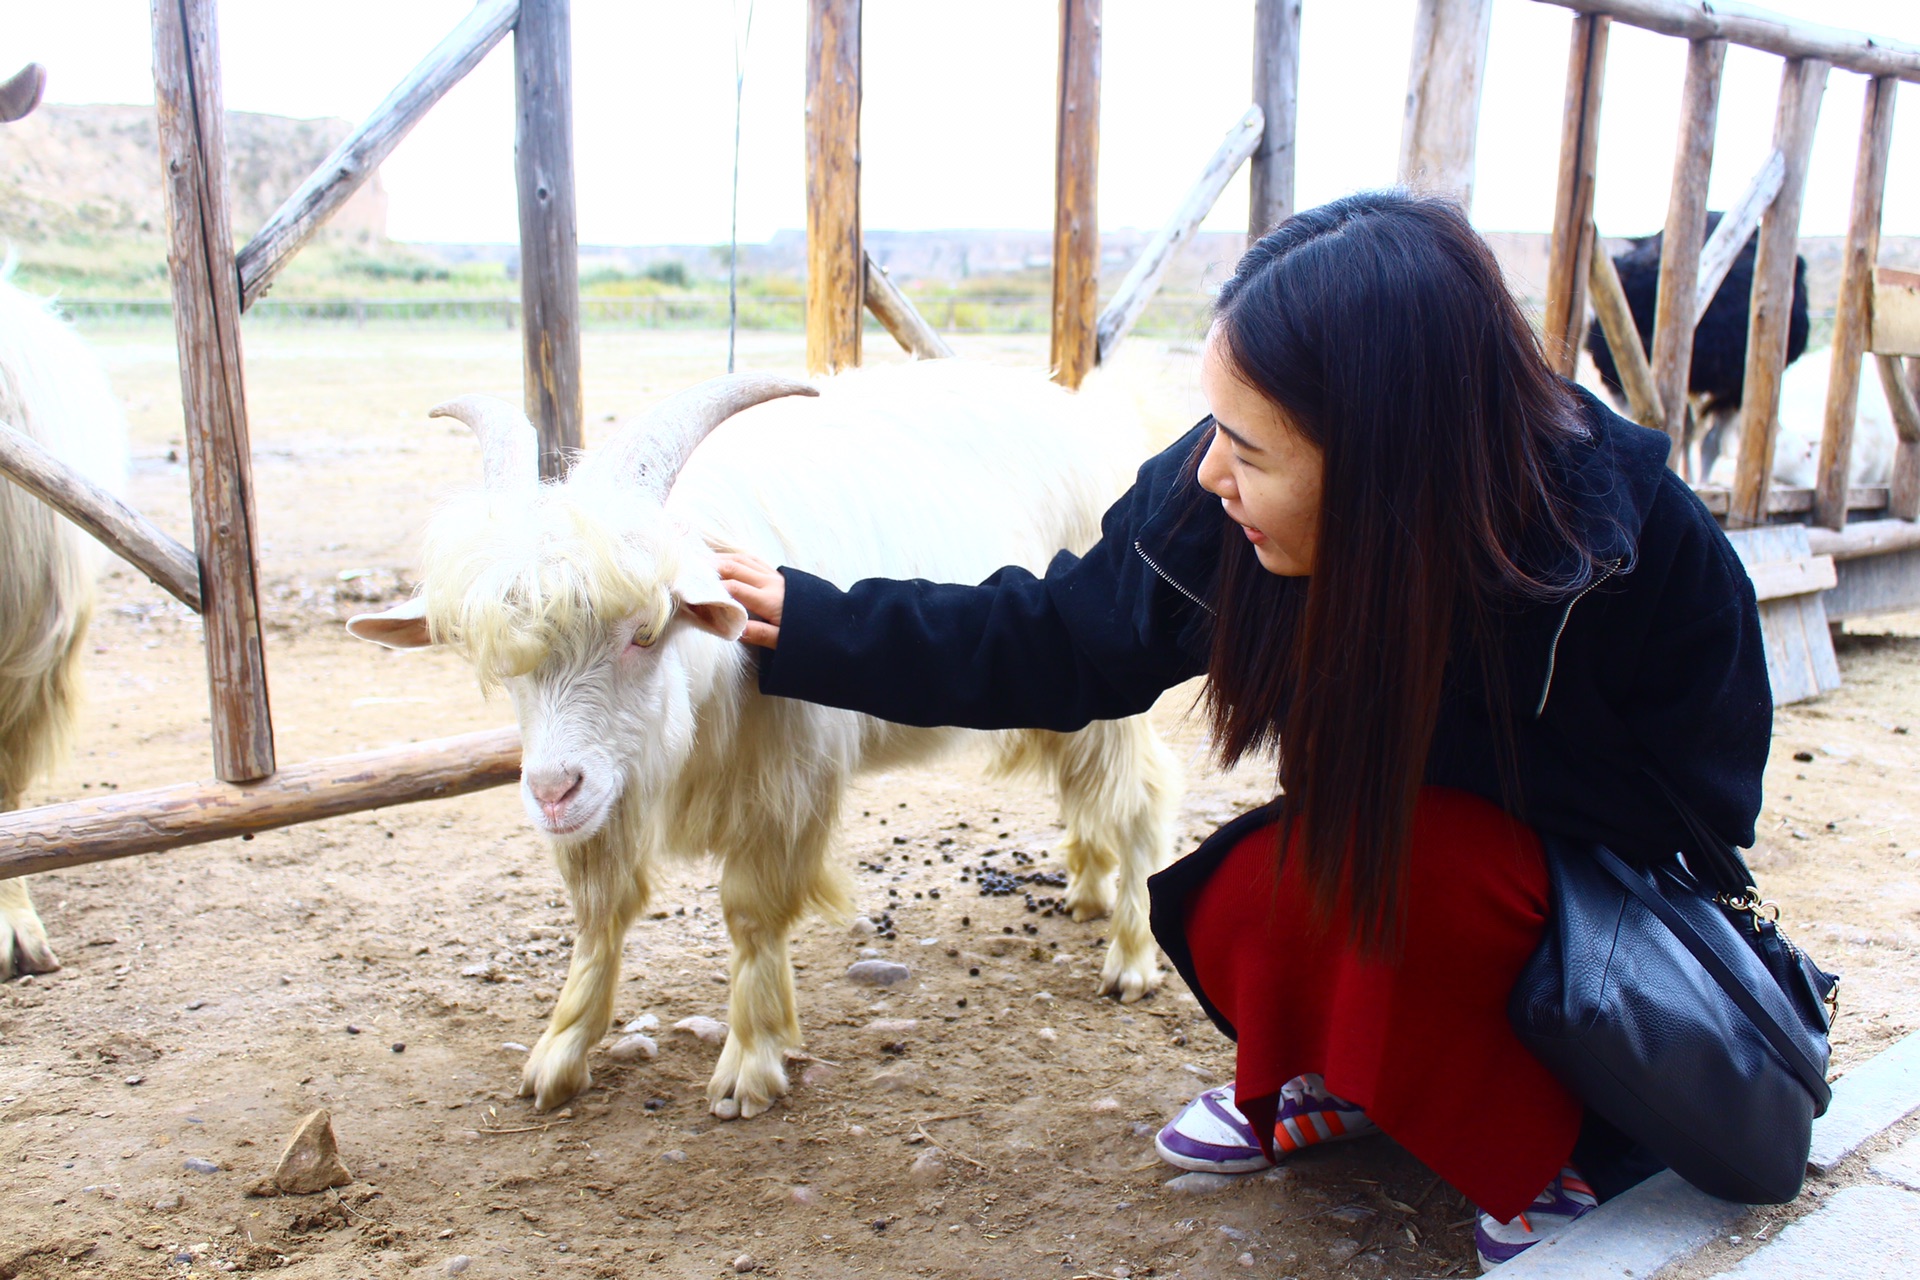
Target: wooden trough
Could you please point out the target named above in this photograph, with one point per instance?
(1797, 544)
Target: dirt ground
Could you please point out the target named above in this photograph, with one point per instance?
(390, 966)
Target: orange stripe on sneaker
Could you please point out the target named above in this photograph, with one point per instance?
(1335, 1127)
(1286, 1139)
(1575, 1185)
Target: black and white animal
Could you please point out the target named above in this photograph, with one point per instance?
(1716, 379)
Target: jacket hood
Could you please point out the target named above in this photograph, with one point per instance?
(1611, 479)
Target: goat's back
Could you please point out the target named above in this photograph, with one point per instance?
(940, 469)
(53, 389)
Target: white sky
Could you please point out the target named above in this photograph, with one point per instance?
(957, 120)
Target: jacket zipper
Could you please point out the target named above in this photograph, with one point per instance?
(1168, 578)
(1553, 650)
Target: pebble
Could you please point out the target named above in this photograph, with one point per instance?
(1231, 1233)
(1044, 997)
(856, 1131)
(456, 1264)
(705, 1030)
(1197, 1071)
(645, 1022)
(633, 1048)
(311, 1161)
(878, 973)
(514, 1046)
(863, 927)
(167, 1204)
(1245, 1259)
(744, 1263)
(195, 1004)
(893, 1026)
(1201, 1183)
(928, 1166)
(1048, 1034)
(804, 1195)
(352, 1030)
(1342, 1250)
(1105, 1104)
(136, 1079)
(194, 1164)
(674, 1157)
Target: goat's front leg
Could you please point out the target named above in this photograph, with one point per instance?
(608, 888)
(23, 942)
(763, 891)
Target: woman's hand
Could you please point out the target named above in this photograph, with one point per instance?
(757, 587)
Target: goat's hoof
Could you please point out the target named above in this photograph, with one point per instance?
(554, 1073)
(23, 948)
(1089, 901)
(746, 1083)
(1129, 980)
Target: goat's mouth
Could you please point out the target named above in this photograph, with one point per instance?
(577, 819)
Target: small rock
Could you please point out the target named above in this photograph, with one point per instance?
(645, 1022)
(744, 1263)
(674, 1157)
(804, 1195)
(1048, 1034)
(167, 1204)
(136, 1079)
(633, 1048)
(928, 1166)
(856, 1131)
(514, 1046)
(1197, 1071)
(194, 1164)
(878, 973)
(1245, 1259)
(1105, 1104)
(816, 1074)
(311, 1161)
(1121, 1271)
(863, 927)
(1342, 1250)
(1044, 997)
(705, 1030)
(456, 1264)
(1201, 1183)
(892, 1026)
(195, 1004)
(1231, 1233)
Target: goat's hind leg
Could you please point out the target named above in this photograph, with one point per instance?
(23, 940)
(608, 887)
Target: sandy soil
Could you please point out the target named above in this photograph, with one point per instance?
(214, 995)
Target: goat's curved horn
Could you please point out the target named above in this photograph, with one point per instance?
(650, 451)
(509, 446)
(20, 94)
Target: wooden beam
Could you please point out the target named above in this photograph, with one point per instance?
(1803, 82)
(123, 824)
(549, 232)
(1785, 501)
(1076, 196)
(1131, 298)
(1853, 319)
(206, 318)
(1276, 91)
(1736, 226)
(1778, 579)
(836, 249)
(1569, 257)
(1900, 379)
(1896, 312)
(354, 161)
(124, 531)
(1757, 28)
(1676, 310)
(1865, 538)
(1623, 338)
(1443, 97)
(898, 316)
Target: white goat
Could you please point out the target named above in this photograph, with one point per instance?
(53, 389)
(1803, 417)
(598, 603)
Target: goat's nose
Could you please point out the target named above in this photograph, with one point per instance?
(554, 787)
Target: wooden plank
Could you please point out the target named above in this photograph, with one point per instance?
(1896, 312)
(549, 233)
(1900, 379)
(1444, 82)
(1854, 318)
(836, 253)
(1793, 627)
(1784, 501)
(124, 531)
(1730, 237)
(355, 160)
(1778, 579)
(127, 823)
(206, 317)
(1076, 196)
(1676, 310)
(1569, 258)
(1623, 338)
(1803, 82)
(1865, 538)
(898, 316)
(1757, 28)
(1143, 278)
(1276, 91)
(1869, 585)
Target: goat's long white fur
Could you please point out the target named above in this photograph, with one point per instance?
(53, 389)
(942, 470)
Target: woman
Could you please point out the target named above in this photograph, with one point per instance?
(1461, 602)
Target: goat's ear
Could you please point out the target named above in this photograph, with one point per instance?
(402, 627)
(701, 598)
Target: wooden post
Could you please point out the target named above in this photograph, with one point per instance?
(836, 251)
(1076, 213)
(1276, 91)
(123, 824)
(1802, 83)
(1569, 258)
(1903, 399)
(1443, 96)
(1854, 316)
(1674, 313)
(206, 311)
(549, 234)
(1623, 338)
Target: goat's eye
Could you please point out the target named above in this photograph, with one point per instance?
(643, 637)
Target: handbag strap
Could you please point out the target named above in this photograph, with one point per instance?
(1720, 867)
(1722, 973)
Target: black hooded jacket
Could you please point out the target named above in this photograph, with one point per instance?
(1657, 667)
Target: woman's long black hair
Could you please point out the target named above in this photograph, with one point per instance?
(1381, 327)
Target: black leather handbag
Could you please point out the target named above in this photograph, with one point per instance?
(1671, 1004)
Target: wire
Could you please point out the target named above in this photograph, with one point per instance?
(742, 37)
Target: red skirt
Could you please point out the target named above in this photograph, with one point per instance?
(1420, 1042)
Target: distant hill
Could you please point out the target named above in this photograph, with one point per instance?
(82, 172)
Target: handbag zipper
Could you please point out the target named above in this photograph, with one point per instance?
(1553, 650)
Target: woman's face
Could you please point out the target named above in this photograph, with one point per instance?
(1266, 474)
